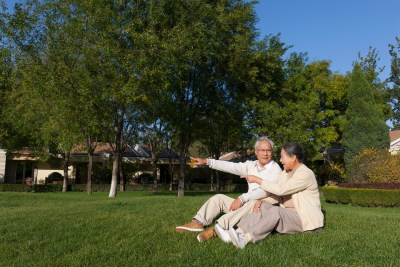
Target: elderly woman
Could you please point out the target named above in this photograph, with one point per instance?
(294, 206)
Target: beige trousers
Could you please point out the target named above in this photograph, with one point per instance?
(219, 204)
(256, 226)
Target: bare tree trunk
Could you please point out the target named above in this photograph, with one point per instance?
(89, 174)
(182, 161)
(155, 175)
(181, 183)
(170, 167)
(171, 183)
(65, 157)
(114, 178)
(117, 151)
(121, 175)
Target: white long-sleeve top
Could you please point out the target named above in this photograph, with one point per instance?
(269, 173)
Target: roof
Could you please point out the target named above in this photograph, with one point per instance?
(104, 150)
(394, 136)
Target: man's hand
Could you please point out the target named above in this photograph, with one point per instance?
(257, 206)
(198, 161)
(236, 204)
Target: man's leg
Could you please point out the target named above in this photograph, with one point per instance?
(212, 208)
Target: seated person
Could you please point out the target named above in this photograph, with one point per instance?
(234, 209)
(296, 193)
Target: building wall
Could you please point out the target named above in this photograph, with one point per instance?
(2, 165)
(44, 170)
(11, 170)
(395, 149)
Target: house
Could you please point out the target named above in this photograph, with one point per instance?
(394, 141)
(22, 165)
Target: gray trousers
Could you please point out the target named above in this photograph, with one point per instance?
(256, 226)
(219, 204)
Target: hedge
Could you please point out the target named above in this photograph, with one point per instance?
(362, 196)
(238, 188)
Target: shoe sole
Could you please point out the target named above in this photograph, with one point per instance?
(186, 229)
(221, 234)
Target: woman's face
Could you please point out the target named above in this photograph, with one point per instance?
(288, 162)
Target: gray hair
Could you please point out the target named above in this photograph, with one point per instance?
(263, 138)
(294, 149)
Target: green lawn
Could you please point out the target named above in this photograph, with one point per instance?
(138, 229)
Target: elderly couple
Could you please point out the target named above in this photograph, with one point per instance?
(283, 201)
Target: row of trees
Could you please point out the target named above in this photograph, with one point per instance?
(170, 73)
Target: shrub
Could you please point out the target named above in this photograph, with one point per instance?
(55, 177)
(362, 196)
(374, 166)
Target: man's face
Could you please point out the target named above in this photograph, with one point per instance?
(264, 153)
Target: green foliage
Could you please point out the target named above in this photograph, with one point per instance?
(306, 106)
(365, 127)
(369, 65)
(38, 188)
(395, 83)
(54, 177)
(362, 196)
(375, 166)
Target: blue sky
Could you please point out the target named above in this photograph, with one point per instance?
(335, 30)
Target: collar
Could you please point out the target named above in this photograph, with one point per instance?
(266, 167)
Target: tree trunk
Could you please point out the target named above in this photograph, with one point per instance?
(65, 156)
(114, 178)
(89, 173)
(171, 183)
(155, 176)
(121, 175)
(117, 154)
(171, 169)
(182, 161)
(181, 183)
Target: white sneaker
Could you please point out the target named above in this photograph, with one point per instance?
(222, 233)
(238, 240)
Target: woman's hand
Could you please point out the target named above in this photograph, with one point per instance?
(257, 206)
(252, 179)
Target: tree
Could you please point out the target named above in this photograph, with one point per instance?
(198, 39)
(365, 126)
(369, 65)
(395, 83)
(6, 73)
(305, 105)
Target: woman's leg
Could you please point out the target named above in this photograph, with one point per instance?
(256, 226)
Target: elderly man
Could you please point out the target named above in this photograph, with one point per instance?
(233, 209)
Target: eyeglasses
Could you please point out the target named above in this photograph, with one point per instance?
(264, 150)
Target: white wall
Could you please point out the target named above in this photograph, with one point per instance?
(44, 170)
(2, 165)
